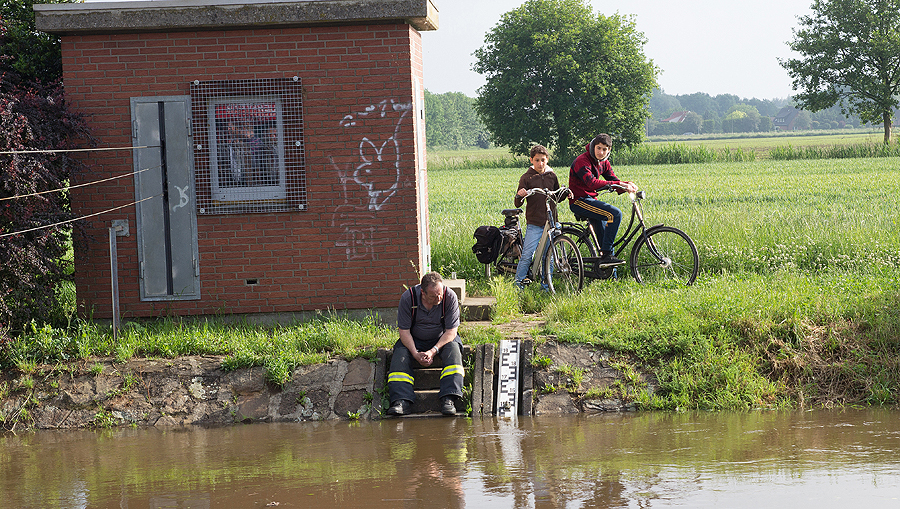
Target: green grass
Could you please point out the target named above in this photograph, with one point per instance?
(797, 298)
(280, 349)
(796, 304)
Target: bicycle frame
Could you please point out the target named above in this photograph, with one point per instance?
(632, 230)
(552, 228)
(556, 261)
(636, 228)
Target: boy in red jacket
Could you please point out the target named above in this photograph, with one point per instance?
(592, 172)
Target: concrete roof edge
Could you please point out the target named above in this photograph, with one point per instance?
(163, 15)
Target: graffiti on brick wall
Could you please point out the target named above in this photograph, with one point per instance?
(375, 173)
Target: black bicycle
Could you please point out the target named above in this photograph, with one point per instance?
(660, 253)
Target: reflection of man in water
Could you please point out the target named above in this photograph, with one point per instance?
(432, 472)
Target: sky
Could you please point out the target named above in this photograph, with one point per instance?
(711, 46)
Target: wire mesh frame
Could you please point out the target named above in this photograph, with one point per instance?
(248, 146)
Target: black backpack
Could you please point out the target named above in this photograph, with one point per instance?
(487, 243)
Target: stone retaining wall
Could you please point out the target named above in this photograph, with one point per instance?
(195, 390)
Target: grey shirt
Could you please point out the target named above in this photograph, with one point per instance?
(428, 322)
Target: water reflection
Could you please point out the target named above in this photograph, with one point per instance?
(776, 459)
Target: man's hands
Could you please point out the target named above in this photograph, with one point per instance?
(425, 358)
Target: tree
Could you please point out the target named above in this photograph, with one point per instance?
(33, 116)
(35, 56)
(558, 74)
(693, 123)
(451, 122)
(662, 104)
(804, 120)
(850, 55)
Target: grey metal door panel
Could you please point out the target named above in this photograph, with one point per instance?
(166, 218)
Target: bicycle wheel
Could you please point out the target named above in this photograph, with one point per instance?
(665, 254)
(562, 266)
(590, 253)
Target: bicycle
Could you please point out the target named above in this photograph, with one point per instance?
(660, 253)
(561, 268)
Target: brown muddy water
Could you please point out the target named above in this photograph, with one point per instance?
(819, 459)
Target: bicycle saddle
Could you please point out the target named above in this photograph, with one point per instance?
(511, 212)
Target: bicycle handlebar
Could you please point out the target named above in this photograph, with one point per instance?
(559, 195)
(640, 195)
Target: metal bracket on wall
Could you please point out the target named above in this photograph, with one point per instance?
(121, 227)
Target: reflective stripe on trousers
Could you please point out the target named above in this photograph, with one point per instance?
(400, 376)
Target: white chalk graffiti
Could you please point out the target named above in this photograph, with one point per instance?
(377, 174)
(183, 199)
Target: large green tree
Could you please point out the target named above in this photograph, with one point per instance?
(34, 56)
(558, 74)
(850, 55)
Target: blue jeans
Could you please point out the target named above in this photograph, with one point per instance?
(532, 238)
(604, 217)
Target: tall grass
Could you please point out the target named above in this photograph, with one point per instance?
(474, 159)
(743, 341)
(788, 152)
(678, 154)
(280, 349)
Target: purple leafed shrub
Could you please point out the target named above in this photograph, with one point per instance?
(34, 117)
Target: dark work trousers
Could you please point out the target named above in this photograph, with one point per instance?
(400, 377)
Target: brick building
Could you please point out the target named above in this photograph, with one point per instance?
(279, 155)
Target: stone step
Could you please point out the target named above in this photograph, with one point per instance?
(477, 309)
(428, 402)
(427, 378)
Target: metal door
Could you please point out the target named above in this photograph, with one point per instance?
(166, 214)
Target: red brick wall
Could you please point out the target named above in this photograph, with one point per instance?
(348, 250)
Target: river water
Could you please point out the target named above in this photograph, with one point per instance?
(818, 459)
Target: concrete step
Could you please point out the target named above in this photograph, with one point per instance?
(427, 401)
(471, 308)
(477, 309)
(427, 378)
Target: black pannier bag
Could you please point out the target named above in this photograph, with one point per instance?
(487, 243)
(511, 245)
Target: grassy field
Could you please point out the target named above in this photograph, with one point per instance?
(757, 217)
(759, 144)
(797, 303)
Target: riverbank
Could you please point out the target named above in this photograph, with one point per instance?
(197, 390)
(733, 342)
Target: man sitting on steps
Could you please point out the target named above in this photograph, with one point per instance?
(427, 317)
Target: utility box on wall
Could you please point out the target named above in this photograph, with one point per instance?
(278, 165)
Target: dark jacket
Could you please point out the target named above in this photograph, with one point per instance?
(588, 175)
(536, 210)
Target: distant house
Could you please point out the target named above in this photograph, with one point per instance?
(786, 118)
(677, 117)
